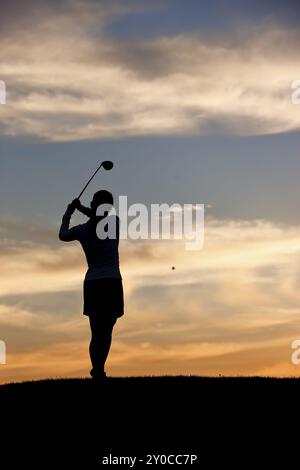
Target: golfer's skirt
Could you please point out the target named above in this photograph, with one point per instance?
(103, 297)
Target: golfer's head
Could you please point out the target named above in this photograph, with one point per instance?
(101, 197)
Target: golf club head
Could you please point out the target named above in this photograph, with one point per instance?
(107, 165)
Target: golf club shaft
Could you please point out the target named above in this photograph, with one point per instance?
(78, 197)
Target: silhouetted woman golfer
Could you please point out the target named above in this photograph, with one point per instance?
(102, 288)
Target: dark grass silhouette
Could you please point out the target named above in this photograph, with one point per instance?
(74, 421)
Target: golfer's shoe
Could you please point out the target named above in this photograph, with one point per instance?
(98, 376)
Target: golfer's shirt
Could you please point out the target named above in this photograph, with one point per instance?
(102, 255)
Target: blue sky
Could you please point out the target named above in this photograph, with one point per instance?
(178, 16)
(242, 178)
(213, 168)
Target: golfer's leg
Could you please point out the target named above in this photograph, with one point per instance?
(100, 342)
(93, 344)
(104, 345)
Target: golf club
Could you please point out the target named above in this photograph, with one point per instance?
(107, 165)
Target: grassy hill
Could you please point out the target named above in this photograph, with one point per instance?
(77, 421)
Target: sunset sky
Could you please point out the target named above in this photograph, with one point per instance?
(192, 102)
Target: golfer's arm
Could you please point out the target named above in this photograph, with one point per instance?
(85, 210)
(67, 234)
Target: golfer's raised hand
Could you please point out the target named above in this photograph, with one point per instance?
(76, 203)
(72, 207)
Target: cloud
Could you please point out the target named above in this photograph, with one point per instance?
(33, 268)
(77, 83)
(11, 228)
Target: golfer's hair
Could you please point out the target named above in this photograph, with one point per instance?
(103, 197)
